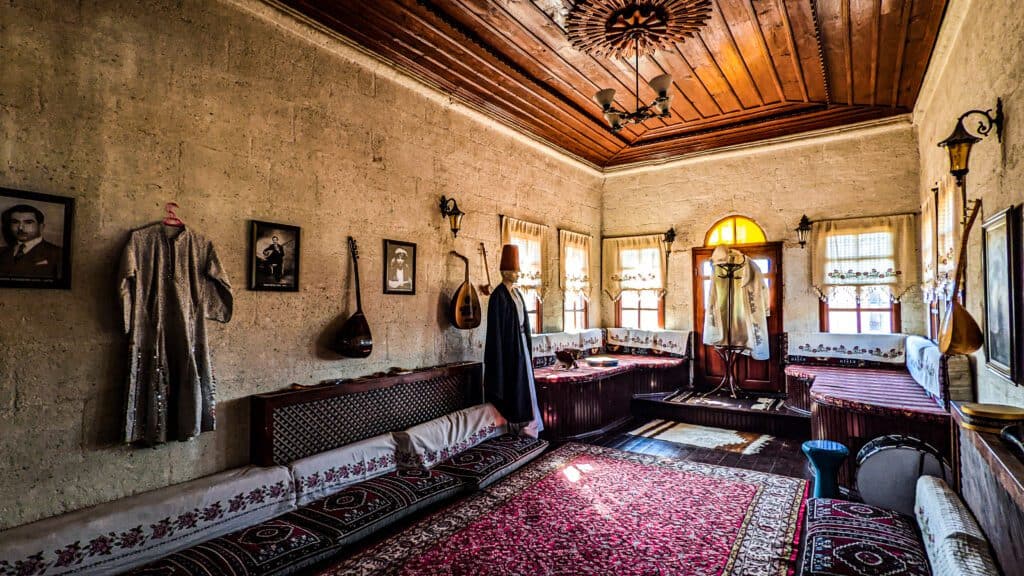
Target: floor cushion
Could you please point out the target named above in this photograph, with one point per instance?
(849, 538)
(494, 459)
(289, 543)
(366, 507)
(283, 545)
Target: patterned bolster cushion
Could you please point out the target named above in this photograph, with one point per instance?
(852, 539)
(426, 444)
(882, 348)
(328, 472)
(952, 538)
(670, 343)
(929, 368)
(541, 346)
(592, 341)
(119, 535)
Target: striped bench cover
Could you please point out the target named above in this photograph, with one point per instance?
(871, 391)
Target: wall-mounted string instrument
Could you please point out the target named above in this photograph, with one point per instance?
(960, 333)
(354, 339)
(485, 289)
(464, 312)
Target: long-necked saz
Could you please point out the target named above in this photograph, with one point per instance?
(960, 333)
(354, 339)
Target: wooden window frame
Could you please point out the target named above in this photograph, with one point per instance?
(896, 324)
(574, 311)
(661, 312)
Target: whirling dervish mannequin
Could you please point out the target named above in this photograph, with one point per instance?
(746, 324)
(508, 354)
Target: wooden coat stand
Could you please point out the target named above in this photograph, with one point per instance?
(729, 353)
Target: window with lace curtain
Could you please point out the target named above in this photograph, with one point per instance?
(862, 269)
(633, 277)
(575, 279)
(529, 237)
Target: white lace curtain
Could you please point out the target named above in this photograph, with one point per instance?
(529, 237)
(950, 213)
(574, 263)
(928, 243)
(875, 254)
(633, 263)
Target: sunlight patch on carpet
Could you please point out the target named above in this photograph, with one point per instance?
(704, 436)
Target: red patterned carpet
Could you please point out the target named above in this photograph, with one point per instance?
(591, 510)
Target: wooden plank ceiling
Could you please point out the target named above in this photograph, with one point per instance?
(760, 68)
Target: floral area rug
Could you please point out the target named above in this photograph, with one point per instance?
(588, 510)
(704, 436)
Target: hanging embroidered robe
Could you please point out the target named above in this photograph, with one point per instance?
(171, 282)
(746, 324)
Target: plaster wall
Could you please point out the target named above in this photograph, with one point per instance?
(869, 171)
(979, 57)
(236, 112)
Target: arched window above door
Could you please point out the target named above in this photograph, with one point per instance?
(735, 230)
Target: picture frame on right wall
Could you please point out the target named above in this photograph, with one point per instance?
(1002, 276)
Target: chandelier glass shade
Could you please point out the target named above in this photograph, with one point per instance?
(624, 28)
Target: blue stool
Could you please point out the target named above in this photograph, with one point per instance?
(825, 457)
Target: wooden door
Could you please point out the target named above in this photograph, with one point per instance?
(755, 375)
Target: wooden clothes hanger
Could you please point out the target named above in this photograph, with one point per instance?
(172, 218)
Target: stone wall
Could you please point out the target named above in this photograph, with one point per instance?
(979, 57)
(236, 112)
(860, 172)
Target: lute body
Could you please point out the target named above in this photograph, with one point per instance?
(960, 333)
(354, 339)
(464, 312)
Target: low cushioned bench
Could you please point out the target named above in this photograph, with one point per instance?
(328, 483)
(847, 538)
(865, 386)
(588, 400)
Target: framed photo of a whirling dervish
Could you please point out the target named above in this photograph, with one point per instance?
(273, 257)
(35, 239)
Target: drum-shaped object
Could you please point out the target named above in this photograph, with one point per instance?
(888, 468)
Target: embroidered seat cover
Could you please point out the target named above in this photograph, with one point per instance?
(494, 459)
(853, 539)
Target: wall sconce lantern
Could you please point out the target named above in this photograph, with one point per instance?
(450, 210)
(668, 238)
(802, 230)
(959, 143)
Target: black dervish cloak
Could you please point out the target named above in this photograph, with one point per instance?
(506, 364)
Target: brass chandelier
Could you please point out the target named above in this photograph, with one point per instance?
(623, 28)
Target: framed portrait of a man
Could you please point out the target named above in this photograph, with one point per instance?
(35, 239)
(399, 267)
(1001, 250)
(273, 257)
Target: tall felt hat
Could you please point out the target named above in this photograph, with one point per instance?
(509, 258)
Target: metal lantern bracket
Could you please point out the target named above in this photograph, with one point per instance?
(450, 209)
(959, 143)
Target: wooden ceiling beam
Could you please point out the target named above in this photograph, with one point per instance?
(759, 69)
